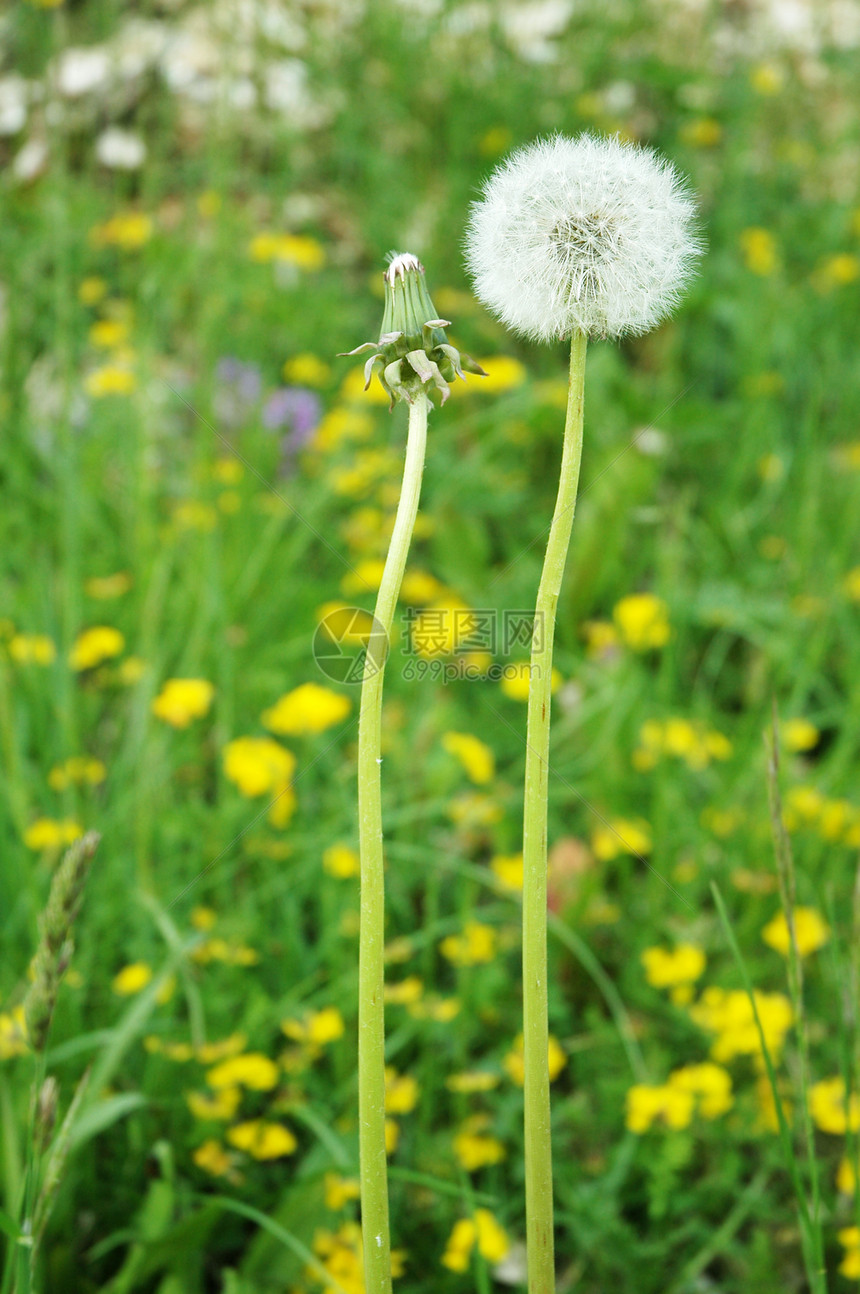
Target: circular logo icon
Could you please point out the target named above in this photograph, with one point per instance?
(350, 645)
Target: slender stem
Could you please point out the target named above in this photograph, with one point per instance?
(539, 1212)
(371, 974)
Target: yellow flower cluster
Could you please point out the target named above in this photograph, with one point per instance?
(621, 836)
(474, 1147)
(831, 1109)
(836, 821)
(306, 711)
(49, 833)
(127, 230)
(78, 770)
(342, 1256)
(290, 249)
(96, 645)
(759, 251)
(810, 928)
(342, 861)
(728, 1013)
(315, 1029)
(260, 766)
(13, 1033)
(677, 969)
(704, 1089)
(516, 678)
(514, 1062)
(480, 1229)
(476, 944)
(183, 699)
(476, 758)
(642, 620)
(32, 649)
(679, 738)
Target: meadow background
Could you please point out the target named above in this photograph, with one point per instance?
(197, 201)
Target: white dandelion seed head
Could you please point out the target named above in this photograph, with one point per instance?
(588, 234)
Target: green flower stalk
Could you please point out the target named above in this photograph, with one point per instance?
(575, 238)
(414, 363)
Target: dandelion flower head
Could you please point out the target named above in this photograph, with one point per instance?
(589, 234)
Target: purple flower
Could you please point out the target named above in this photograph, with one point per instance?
(294, 407)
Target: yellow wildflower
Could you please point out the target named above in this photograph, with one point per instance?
(392, 1136)
(110, 379)
(262, 1140)
(291, 249)
(444, 627)
(48, 833)
(96, 645)
(203, 918)
(212, 1158)
(514, 1061)
(504, 373)
(341, 861)
(760, 252)
(108, 333)
(91, 291)
(32, 649)
(508, 868)
(729, 1015)
(472, 1080)
(106, 587)
(642, 620)
(308, 709)
(433, 1007)
(601, 639)
(208, 1052)
(482, 1228)
(704, 132)
(78, 770)
(477, 944)
(477, 759)
(222, 1105)
(621, 836)
(306, 370)
(846, 1177)
(517, 677)
(677, 970)
(646, 1103)
(419, 588)
(799, 735)
(849, 1238)
(258, 765)
(183, 699)
(251, 1069)
(13, 1033)
(767, 78)
(401, 1092)
(710, 1084)
(340, 1190)
(474, 1147)
(316, 1027)
(128, 230)
(132, 979)
(811, 929)
(830, 1109)
(838, 271)
(405, 992)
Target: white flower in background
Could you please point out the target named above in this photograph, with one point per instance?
(82, 71)
(120, 149)
(586, 234)
(13, 104)
(30, 161)
(529, 28)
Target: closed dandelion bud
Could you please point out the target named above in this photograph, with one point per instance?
(413, 354)
(587, 235)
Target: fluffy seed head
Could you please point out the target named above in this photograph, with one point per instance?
(591, 234)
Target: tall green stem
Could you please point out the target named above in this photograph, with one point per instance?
(371, 974)
(538, 1146)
